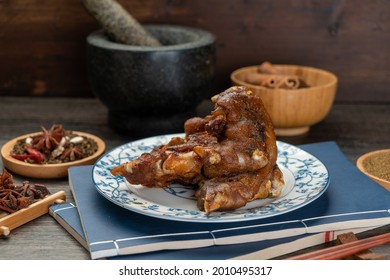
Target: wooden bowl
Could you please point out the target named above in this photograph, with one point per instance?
(46, 171)
(359, 163)
(293, 111)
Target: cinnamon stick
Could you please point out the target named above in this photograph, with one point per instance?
(274, 80)
(267, 68)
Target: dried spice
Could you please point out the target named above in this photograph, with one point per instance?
(268, 76)
(55, 145)
(378, 164)
(14, 198)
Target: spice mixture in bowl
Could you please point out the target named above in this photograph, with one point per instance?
(53, 146)
(49, 153)
(376, 165)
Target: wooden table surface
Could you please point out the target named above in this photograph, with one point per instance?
(356, 128)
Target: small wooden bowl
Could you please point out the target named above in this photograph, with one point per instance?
(359, 163)
(293, 111)
(46, 171)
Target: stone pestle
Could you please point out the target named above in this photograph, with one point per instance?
(118, 24)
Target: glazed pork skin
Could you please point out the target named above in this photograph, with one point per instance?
(230, 155)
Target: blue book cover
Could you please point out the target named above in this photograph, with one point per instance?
(352, 200)
(66, 214)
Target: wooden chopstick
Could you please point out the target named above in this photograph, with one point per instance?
(344, 250)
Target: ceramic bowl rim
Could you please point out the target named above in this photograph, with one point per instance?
(333, 82)
(359, 164)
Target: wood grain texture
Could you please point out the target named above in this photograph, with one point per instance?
(43, 42)
(349, 124)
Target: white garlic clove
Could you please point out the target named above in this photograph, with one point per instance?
(77, 139)
(29, 140)
(62, 142)
(57, 152)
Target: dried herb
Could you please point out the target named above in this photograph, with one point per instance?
(268, 76)
(378, 164)
(55, 145)
(14, 198)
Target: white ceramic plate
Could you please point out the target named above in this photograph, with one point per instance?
(306, 179)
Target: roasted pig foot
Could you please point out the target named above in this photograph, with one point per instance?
(161, 167)
(230, 154)
(227, 193)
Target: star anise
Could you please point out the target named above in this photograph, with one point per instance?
(11, 201)
(14, 198)
(73, 153)
(36, 191)
(49, 139)
(6, 180)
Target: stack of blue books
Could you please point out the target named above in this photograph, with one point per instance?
(352, 203)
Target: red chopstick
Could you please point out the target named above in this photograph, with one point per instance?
(340, 251)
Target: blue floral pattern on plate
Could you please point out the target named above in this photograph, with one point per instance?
(306, 179)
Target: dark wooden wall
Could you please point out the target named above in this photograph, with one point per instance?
(42, 42)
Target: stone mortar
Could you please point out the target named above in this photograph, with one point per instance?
(156, 88)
